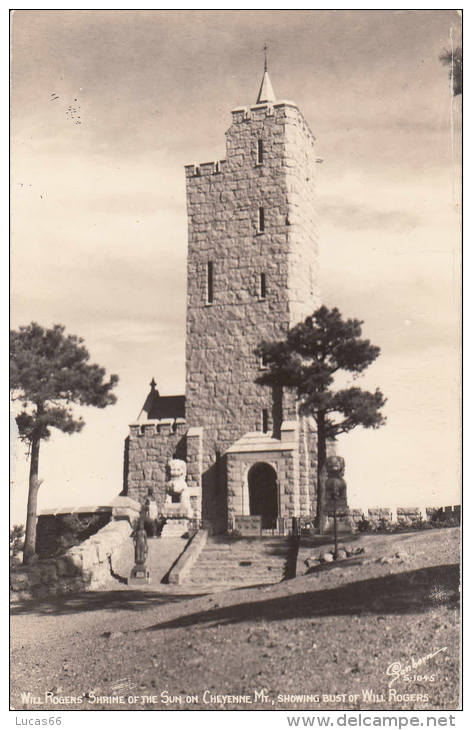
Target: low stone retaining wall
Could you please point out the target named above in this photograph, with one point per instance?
(84, 567)
(443, 514)
(380, 513)
(188, 558)
(349, 518)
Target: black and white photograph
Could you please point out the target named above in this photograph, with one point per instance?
(235, 362)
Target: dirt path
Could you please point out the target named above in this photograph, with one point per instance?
(334, 633)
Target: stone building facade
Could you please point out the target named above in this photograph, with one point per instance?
(252, 273)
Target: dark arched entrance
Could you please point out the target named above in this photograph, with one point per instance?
(263, 497)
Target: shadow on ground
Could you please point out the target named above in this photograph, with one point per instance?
(403, 593)
(134, 600)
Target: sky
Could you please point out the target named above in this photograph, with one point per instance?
(108, 106)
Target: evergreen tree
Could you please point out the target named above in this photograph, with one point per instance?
(49, 372)
(307, 361)
(453, 59)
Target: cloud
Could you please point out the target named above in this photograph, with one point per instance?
(361, 217)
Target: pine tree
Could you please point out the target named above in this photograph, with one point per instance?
(307, 362)
(49, 372)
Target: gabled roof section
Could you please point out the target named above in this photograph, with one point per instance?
(158, 406)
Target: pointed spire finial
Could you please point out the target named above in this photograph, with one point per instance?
(153, 384)
(266, 92)
(265, 56)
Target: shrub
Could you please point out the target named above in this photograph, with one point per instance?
(17, 539)
(365, 525)
(451, 522)
(385, 525)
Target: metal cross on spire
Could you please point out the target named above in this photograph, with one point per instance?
(265, 49)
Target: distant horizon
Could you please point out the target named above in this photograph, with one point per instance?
(99, 214)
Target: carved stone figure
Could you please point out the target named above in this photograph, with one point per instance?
(178, 494)
(335, 466)
(335, 484)
(139, 573)
(140, 545)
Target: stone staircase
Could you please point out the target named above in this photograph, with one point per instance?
(226, 563)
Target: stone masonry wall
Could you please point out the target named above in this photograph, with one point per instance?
(307, 466)
(150, 446)
(301, 175)
(223, 200)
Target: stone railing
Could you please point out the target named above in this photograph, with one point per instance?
(187, 560)
(84, 567)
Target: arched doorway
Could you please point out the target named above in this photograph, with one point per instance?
(263, 496)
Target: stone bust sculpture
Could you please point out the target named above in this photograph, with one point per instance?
(335, 466)
(176, 487)
(335, 484)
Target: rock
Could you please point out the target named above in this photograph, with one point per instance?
(48, 572)
(44, 591)
(259, 637)
(70, 564)
(19, 581)
(342, 555)
(35, 576)
(359, 551)
(312, 562)
(401, 555)
(326, 557)
(112, 634)
(348, 550)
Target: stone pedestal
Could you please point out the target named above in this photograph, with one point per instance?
(344, 525)
(344, 520)
(139, 576)
(175, 528)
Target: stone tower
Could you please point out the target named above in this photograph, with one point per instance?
(252, 273)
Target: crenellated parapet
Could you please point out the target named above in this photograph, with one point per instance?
(205, 168)
(159, 426)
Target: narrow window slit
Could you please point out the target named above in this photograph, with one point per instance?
(265, 420)
(260, 220)
(260, 152)
(262, 287)
(209, 291)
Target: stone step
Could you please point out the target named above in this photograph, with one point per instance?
(217, 569)
(211, 555)
(218, 548)
(240, 563)
(238, 581)
(230, 575)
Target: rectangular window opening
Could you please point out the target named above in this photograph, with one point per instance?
(260, 152)
(209, 283)
(262, 287)
(260, 221)
(263, 362)
(265, 420)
